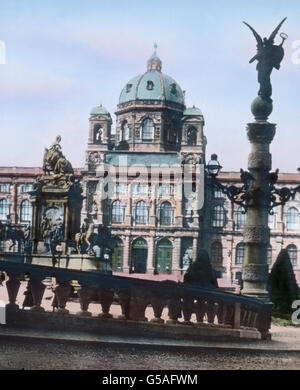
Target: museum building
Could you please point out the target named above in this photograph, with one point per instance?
(146, 181)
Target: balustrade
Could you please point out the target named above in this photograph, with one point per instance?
(211, 307)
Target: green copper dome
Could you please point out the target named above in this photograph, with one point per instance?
(100, 110)
(152, 85)
(193, 111)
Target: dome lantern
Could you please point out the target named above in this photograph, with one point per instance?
(154, 62)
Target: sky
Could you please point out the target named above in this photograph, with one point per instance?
(65, 57)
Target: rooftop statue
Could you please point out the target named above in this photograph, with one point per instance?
(269, 56)
(54, 160)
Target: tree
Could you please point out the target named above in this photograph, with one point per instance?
(282, 285)
(201, 272)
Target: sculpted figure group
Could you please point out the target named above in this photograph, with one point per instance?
(54, 160)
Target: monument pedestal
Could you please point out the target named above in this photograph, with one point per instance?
(57, 203)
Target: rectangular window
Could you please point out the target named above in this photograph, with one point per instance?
(141, 189)
(120, 189)
(218, 194)
(4, 188)
(25, 188)
(166, 190)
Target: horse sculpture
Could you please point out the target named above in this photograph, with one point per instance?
(16, 235)
(95, 243)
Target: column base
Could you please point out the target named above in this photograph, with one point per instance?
(37, 309)
(105, 315)
(12, 307)
(60, 310)
(84, 313)
(258, 294)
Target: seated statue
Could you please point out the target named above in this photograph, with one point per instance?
(54, 160)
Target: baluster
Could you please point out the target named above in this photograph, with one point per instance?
(221, 312)
(200, 309)
(37, 289)
(187, 308)
(255, 317)
(237, 316)
(138, 304)
(210, 311)
(86, 296)
(264, 321)
(174, 305)
(106, 297)
(229, 318)
(124, 301)
(158, 303)
(243, 314)
(62, 292)
(12, 286)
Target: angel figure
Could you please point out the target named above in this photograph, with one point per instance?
(269, 56)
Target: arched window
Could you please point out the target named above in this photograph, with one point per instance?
(292, 219)
(239, 253)
(147, 130)
(271, 221)
(117, 212)
(240, 218)
(166, 214)
(141, 213)
(218, 216)
(293, 251)
(117, 256)
(26, 211)
(164, 251)
(269, 254)
(4, 209)
(125, 131)
(216, 254)
(98, 134)
(191, 136)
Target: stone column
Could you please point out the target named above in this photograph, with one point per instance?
(151, 251)
(257, 232)
(176, 255)
(126, 252)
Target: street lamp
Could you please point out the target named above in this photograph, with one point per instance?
(213, 166)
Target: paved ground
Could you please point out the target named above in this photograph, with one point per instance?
(49, 355)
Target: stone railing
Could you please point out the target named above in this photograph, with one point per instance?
(210, 308)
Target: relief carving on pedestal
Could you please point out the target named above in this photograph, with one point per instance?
(256, 234)
(255, 272)
(95, 158)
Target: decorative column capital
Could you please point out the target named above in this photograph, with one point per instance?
(261, 132)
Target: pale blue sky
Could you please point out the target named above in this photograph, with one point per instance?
(65, 57)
